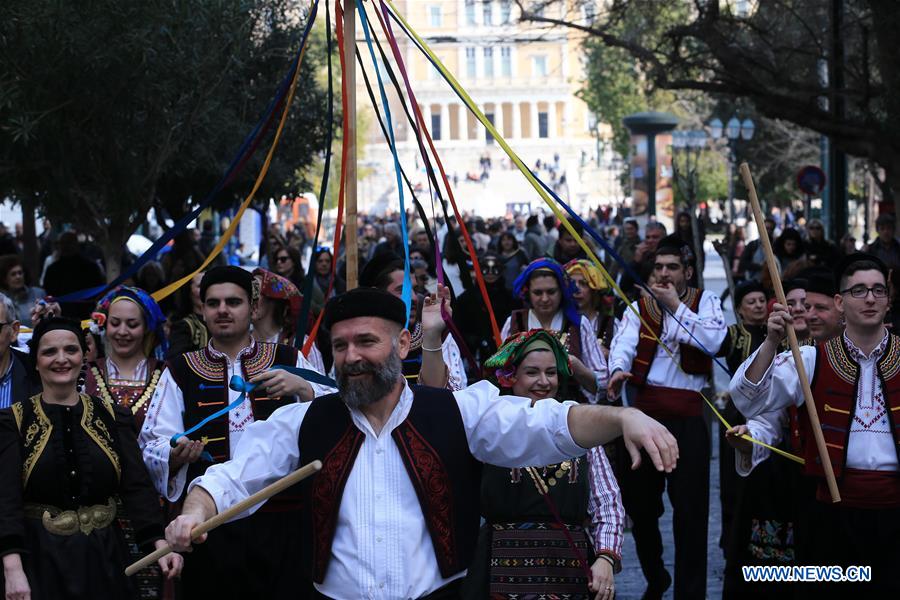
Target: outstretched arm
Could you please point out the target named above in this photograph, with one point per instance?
(434, 372)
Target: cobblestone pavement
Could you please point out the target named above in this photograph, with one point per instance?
(630, 583)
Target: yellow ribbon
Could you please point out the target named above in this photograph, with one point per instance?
(560, 216)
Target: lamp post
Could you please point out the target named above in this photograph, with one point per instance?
(735, 131)
(687, 146)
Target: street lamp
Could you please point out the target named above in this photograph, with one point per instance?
(687, 145)
(734, 131)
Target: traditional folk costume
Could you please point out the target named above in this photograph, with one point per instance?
(577, 335)
(534, 540)
(856, 397)
(374, 275)
(193, 387)
(281, 289)
(604, 322)
(391, 514)
(102, 379)
(669, 391)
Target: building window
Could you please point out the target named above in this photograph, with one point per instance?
(488, 137)
(505, 11)
(506, 62)
(489, 62)
(470, 63)
(470, 12)
(436, 127)
(435, 16)
(543, 125)
(488, 12)
(539, 66)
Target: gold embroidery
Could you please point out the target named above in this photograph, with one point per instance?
(829, 408)
(17, 413)
(102, 438)
(106, 395)
(889, 363)
(844, 366)
(43, 427)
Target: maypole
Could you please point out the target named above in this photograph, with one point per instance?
(349, 167)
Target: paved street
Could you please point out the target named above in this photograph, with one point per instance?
(630, 582)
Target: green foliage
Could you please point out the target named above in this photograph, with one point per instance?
(109, 108)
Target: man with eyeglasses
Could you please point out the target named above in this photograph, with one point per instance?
(15, 383)
(856, 388)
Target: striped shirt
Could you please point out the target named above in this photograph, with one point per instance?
(6, 386)
(605, 505)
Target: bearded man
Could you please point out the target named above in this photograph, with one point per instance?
(394, 512)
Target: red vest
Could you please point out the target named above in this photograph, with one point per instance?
(834, 386)
(570, 336)
(693, 360)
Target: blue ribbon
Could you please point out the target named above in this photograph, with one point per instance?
(407, 281)
(238, 384)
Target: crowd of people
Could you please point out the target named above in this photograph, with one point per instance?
(457, 463)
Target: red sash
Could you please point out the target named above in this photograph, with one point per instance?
(865, 489)
(669, 403)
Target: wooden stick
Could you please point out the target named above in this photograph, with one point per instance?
(223, 517)
(350, 226)
(792, 335)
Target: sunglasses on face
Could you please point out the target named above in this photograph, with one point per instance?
(281, 259)
(490, 270)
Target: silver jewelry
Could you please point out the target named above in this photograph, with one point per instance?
(438, 349)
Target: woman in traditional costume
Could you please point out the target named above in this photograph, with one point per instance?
(131, 325)
(548, 293)
(65, 459)
(534, 543)
(592, 298)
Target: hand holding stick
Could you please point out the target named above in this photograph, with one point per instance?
(225, 516)
(792, 335)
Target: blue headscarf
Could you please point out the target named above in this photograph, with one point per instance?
(153, 316)
(566, 287)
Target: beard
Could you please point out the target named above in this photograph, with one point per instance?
(357, 393)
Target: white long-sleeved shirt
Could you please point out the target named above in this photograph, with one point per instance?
(382, 548)
(591, 354)
(768, 428)
(165, 418)
(871, 443)
(707, 326)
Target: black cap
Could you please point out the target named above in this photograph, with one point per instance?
(744, 288)
(365, 302)
(856, 257)
(797, 283)
(819, 281)
(227, 274)
(381, 264)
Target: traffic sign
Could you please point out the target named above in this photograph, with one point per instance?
(811, 180)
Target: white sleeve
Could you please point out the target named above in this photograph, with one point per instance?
(624, 344)
(594, 360)
(315, 357)
(267, 451)
(766, 428)
(165, 418)
(508, 432)
(455, 367)
(318, 388)
(604, 505)
(705, 331)
(778, 388)
(504, 333)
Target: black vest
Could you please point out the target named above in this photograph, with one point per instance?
(203, 381)
(435, 451)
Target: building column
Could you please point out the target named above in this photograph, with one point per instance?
(533, 118)
(462, 117)
(445, 121)
(426, 114)
(498, 118)
(552, 126)
(516, 121)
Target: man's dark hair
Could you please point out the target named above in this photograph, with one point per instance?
(549, 222)
(576, 226)
(861, 265)
(532, 221)
(631, 222)
(886, 219)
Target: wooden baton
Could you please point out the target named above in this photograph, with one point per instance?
(792, 335)
(225, 516)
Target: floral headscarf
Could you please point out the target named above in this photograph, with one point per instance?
(566, 287)
(276, 287)
(516, 347)
(155, 342)
(589, 271)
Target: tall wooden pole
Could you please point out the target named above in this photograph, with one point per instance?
(792, 337)
(350, 226)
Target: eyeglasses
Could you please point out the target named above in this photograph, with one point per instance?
(861, 291)
(490, 270)
(281, 259)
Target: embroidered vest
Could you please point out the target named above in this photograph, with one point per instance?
(133, 395)
(570, 335)
(203, 381)
(834, 385)
(97, 420)
(693, 360)
(435, 451)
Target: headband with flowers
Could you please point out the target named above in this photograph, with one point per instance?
(508, 356)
